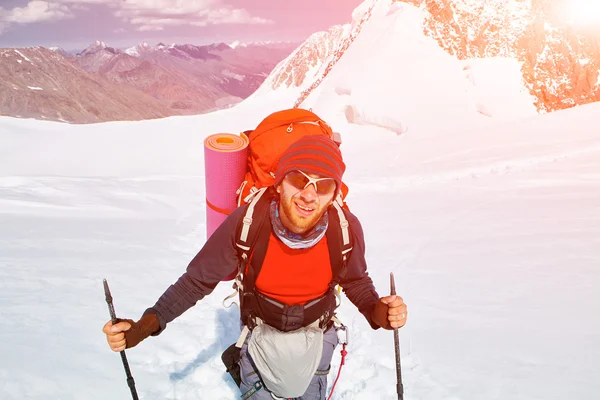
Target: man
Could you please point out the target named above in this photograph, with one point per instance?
(295, 279)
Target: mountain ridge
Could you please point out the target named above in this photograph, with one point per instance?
(103, 83)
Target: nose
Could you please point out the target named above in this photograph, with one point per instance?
(309, 193)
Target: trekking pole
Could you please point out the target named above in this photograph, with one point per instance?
(111, 309)
(399, 386)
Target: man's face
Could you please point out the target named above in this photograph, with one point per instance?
(301, 206)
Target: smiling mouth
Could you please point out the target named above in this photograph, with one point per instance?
(304, 210)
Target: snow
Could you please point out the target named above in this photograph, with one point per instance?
(24, 57)
(237, 43)
(421, 78)
(35, 88)
(133, 51)
(499, 88)
(143, 47)
(361, 9)
(233, 75)
(490, 225)
(492, 235)
(313, 69)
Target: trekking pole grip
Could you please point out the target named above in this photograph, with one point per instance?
(113, 317)
(399, 385)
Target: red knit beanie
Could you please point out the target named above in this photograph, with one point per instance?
(312, 154)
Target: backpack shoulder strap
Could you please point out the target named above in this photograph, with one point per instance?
(246, 231)
(339, 241)
(252, 240)
(246, 235)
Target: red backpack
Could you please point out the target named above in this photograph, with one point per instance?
(270, 139)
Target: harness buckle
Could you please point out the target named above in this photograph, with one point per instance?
(344, 337)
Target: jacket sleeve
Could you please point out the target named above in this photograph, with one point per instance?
(217, 259)
(357, 283)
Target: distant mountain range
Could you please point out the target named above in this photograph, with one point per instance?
(560, 65)
(103, 83)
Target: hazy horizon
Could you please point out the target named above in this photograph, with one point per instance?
(182, 41)
(74, 24)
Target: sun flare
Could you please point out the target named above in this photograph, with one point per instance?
(583, 12)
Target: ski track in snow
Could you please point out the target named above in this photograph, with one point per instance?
(480, 170)
(80, 196)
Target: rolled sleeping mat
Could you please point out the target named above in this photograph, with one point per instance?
(225, 163)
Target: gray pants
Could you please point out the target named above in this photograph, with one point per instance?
(252, 387)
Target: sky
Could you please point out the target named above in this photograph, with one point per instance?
(74, 24)
(489, 222)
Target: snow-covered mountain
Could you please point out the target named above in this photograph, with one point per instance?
(559, 65)
(61, 51)
(142, 48)
(302, 66)
(310, 63)
(95, 56)
(384, 54)
(270, 43)
(95, 47)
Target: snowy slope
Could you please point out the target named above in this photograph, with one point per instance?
(386, 71)
(396, 77)
(301, 67)
(493, 237)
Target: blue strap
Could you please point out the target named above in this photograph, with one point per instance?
(257, 386)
